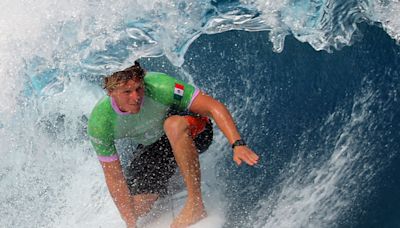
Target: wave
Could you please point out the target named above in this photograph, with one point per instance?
(41, 40)
(51, 51)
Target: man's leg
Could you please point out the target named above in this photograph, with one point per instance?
(187, 158)
(148, 173)
(143, 203)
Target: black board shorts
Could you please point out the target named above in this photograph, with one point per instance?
(149, 172)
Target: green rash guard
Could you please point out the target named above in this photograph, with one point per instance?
(107, 123)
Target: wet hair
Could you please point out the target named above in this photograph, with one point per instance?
(123, 76)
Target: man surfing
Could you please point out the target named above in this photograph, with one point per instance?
(170, 121)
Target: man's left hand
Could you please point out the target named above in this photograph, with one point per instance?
(244, 154)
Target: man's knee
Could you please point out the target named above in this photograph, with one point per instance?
(175, 126)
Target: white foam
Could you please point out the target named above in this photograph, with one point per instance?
(387, 13)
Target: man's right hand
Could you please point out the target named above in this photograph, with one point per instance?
(119, 190)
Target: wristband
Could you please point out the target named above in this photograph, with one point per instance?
(239, 142)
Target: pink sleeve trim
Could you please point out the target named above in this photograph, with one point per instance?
(196, 92)
(108, 158)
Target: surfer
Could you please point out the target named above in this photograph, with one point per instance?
(170, 121)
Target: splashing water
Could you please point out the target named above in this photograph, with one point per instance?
(53, 54)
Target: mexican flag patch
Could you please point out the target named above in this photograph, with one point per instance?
(178, 91)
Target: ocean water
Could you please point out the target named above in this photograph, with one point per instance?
(313, 87)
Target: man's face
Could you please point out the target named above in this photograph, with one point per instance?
(129, 96)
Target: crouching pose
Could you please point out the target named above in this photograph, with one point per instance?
(171, 122)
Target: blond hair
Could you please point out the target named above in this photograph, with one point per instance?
(123, 76)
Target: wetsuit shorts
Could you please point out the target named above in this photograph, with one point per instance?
(154, 165)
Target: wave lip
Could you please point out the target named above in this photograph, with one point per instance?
(96, 38)
(386, 14)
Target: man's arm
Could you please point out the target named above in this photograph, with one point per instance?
(207, 106)
(119, 191)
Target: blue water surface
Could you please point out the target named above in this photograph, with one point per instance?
(276, 98)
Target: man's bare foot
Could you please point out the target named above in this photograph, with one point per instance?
(189, 215)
